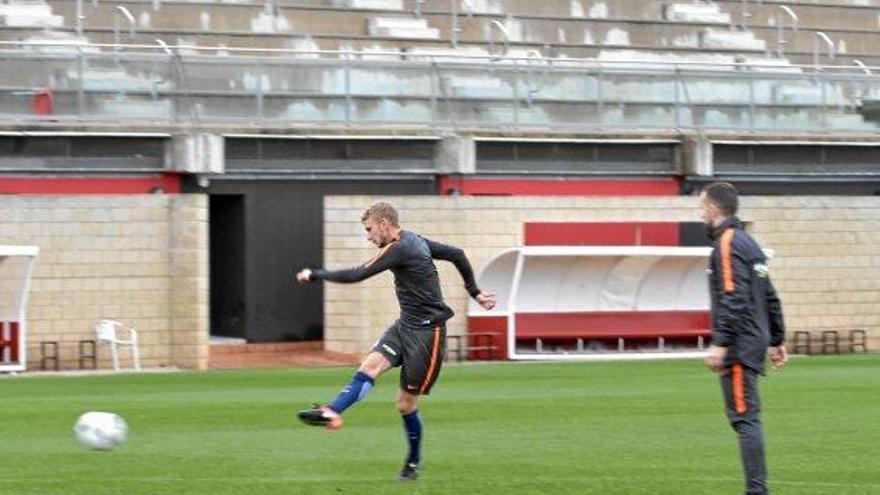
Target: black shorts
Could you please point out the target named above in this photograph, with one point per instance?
(418, 350)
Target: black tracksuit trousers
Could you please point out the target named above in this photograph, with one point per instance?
(740, 386)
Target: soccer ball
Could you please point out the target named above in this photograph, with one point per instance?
(100, 430)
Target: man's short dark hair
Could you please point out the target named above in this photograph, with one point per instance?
(724, 196)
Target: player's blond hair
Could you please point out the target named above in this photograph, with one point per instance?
(382, 210)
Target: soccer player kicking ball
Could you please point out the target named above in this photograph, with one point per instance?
(747, 325)
(416, 341)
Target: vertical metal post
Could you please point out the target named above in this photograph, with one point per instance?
(515, 93)
(132, 23)
(511, 305)
(116, 37)
(434, 90)
(175, 89)
(80, 90)
(779, 42)
(259, 92)
(79, 17)
(347, 82)
(752, 103)
(600, 97)
(780, 34)
(820, 35)
(172, 76)
(823, 80)
(677, 97)
(453, 12)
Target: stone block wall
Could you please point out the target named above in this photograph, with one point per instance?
(140, 259)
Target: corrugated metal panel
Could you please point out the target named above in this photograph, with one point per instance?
(577, 158)
(329, 156)
(796, 160)
(81, 154)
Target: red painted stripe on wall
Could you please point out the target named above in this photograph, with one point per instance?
(601, 234)
(611, 324)
(659, 234)
(167, 183)
(565, 187)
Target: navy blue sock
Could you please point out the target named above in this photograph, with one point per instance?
(356, 390)
(413, 426)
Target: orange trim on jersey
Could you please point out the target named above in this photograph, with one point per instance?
(726, 267)
(435, 350)
(381, 253)
(739, 394)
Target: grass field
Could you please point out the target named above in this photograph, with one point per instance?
(603, 428)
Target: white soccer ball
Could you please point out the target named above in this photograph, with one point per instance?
(100, 430)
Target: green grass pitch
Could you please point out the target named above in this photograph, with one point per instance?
(648, 428)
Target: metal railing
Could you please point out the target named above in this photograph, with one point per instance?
(263, 86)
(122, 11)
(780, 29)
(821, 36)
(493, 26)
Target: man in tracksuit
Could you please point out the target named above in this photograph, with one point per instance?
(747, 325)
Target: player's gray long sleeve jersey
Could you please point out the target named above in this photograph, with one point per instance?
(416, 282)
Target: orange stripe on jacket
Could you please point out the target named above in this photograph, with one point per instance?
(726, 266)
(739, 393)
(435, 350)
(381, 253)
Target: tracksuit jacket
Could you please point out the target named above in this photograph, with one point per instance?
(746, 311)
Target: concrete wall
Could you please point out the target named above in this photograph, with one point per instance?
(827, 263)
(140, 259)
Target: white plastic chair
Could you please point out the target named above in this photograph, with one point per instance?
(105, 330)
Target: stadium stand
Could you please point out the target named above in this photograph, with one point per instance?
(730, 76)
(555, 29)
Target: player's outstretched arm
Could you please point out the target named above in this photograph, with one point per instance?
(383, 261)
